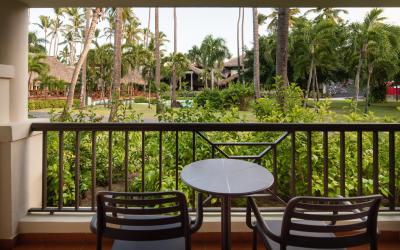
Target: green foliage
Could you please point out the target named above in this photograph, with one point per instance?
(45, 104)
(236, 95)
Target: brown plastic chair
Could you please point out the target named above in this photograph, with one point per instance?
(152, 220)
(312, 222)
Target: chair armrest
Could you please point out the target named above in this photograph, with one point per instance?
(252, 207)
(196, 223)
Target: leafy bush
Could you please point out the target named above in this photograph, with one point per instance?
(142, 99)
(236, 95)
(45, 104)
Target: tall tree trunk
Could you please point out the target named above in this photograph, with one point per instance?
(256, 66)
(282, 44)
(116, 76)
(157, 52)
(238, 42)
(212, 79)
(316, 82)
(358, 73)
(78, 66)
(148, 30)
(370, 70)
(173, 85)
(310, 74)
(242, 45)
(88, 13)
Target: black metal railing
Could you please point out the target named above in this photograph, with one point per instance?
(270, 149)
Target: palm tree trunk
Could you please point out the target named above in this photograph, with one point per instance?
(83, 77)
(238, 41)
(370, 70)
(282, 44)
(157, 52)
(212, 79)
(148, 30)
(173, 85)
(359, 66)
(256, 73)
(310, 74)
(243, 45)
(316, 82)
(78, 66)
(116, 77)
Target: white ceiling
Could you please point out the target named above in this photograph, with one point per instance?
(209, 3)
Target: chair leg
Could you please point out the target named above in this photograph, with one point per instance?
(254, 239)
(99, 242)
(373, 245)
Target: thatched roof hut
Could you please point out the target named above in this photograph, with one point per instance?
(58, 69)
(233, 62)
(133, 76)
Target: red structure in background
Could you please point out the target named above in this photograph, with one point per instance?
(393, 89)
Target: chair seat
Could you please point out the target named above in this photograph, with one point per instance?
(276, 225)
(171, 244)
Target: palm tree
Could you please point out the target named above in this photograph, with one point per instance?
(242, 44)
(36, 65)
(86, 46)
(210, 56)
(157, 52)
(116, 76)
(55, 24)
(366, 32)
(382, 55)
(328, 13)
(174, 80)
(282, 44)
(176, 64)
(274, 17)
(238, 41)
(72, 30)
(45, 26)
(256, 67)
(35, 44)
(88, 13)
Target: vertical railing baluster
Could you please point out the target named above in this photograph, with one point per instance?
(375, 162)
(392, 172)
(126, 162)
(309, 163)
(44, 170)
(160, 161)
(60, 169)
(326, 170)
(342, 164)
(274, 169)
(77, 169)
(359, 163)
(193, 201)
(143, 158)
(212, 151)
(176, 160)
(93, 170)
(110, 140)
(293, 165)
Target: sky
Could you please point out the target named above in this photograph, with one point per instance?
(195, 23)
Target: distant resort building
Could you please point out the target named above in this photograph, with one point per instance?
(228, 74)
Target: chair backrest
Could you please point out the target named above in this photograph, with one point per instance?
(352, 220)
(142, 216)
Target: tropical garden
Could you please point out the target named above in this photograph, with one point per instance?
(287, 75)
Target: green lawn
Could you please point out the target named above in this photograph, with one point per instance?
(341, 107)
(381, 110)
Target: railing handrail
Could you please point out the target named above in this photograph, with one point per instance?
(253, 127)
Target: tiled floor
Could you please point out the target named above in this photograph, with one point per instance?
(197, 245)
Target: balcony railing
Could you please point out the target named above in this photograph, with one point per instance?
(312, 159)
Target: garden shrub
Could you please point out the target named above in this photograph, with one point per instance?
(51, 103)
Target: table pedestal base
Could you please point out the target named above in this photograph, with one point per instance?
(226, 223)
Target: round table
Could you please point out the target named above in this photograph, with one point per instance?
(226, 178)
